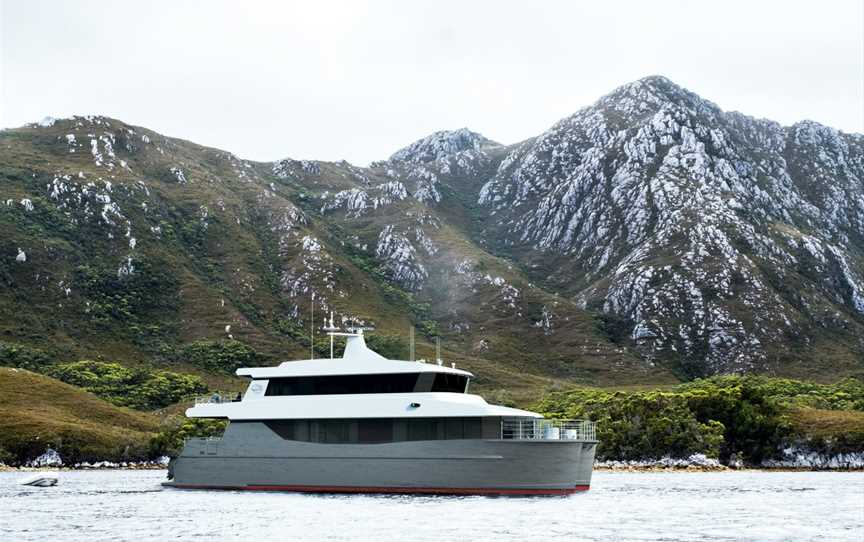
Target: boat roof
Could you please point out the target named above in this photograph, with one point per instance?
(377, 405)
(357, 359)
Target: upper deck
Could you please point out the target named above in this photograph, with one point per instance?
(358, 359)
(361, 384)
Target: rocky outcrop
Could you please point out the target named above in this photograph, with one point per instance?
(441, 145)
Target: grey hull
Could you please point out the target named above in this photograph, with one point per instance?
(253, 457)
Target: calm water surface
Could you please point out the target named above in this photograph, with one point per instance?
(131, 505)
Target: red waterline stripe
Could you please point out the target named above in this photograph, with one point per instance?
(405, 490)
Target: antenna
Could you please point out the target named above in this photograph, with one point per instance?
(331, 330)
(411, 343)
(438, 350)
(312, 328)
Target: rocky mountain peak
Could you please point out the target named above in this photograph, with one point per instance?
(651, 94)
(689, 222)
(441, 144)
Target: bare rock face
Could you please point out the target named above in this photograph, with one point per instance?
(714, 233)
(441, 145)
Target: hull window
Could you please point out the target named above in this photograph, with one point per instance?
(375, 431)
(379, 430)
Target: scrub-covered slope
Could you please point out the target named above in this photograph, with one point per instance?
(123, 244)
(648, 235)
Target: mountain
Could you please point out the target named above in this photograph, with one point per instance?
(725, 242)
(647, 238)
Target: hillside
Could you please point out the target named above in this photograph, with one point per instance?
(37, 412)
(648, 238)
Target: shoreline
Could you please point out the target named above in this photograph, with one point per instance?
(694, 468)
(597, 468)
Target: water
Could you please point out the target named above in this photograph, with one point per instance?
(131, 505)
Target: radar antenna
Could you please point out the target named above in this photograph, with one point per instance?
(331, 330)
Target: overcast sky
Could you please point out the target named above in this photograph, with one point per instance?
(358, 80)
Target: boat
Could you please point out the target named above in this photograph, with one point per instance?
(41, 479)
(363, 423)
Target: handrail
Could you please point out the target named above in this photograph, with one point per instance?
(218, 397)
(541, 429)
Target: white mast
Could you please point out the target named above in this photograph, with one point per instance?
(331, 329)
(312, 328)
(411, 342)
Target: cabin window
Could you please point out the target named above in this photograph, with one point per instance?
(375, 430)
(423, 429)
(334, 431)
(367, 383)
(450, 383)
(379, 430)
(342, 384)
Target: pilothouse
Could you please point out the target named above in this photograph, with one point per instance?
(365, 423)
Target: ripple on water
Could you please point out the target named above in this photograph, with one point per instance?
(122, 505)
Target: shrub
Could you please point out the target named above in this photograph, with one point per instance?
(720, 416)
(224, 356)
(645, 425)
(6, 457)
(23, 357)
(754, 427)
(122, 386)
(130, 299)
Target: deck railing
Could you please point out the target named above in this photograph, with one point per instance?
(217, 397)
(540, 429)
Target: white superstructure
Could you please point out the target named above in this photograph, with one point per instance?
(263, 399)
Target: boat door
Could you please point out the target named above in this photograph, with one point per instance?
(211, 446)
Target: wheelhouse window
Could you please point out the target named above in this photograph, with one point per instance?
(343, 384)
(450, 383)
(368, 383)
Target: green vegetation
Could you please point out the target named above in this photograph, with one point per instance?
(129, 299)
(224, 356)
(23, 357)
(389, 346)
(747, 417)
(136, 388)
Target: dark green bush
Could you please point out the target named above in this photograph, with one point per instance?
(23, 357)
(131, 298)
(224, 356)
(639, 425)
(134, 388)
(719, 416)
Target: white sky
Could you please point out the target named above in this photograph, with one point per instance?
(353, 80)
